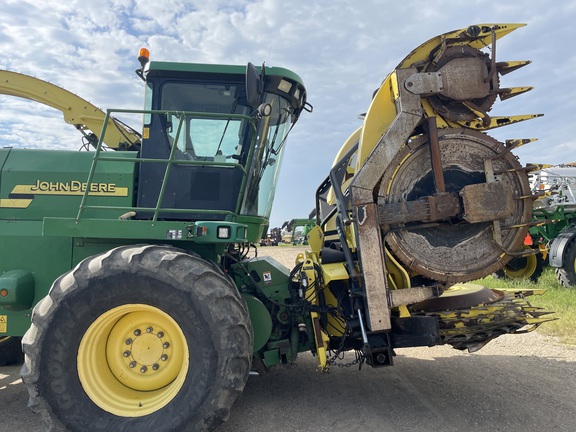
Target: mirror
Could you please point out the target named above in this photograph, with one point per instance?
(253, 85)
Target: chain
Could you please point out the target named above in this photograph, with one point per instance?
(359, 360)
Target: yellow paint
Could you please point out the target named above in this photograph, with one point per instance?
(543, 250)
(316, 239)
(105, 359)
(397, 274)
(15, 203)
(334, 327)
(351, 237)
(496, 121)
(396, 169)
(421, 54)
(3, 324)
(404, 312)
(321, 339)
(379, 117)
(334, 272)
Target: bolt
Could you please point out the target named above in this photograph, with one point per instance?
(128, 341)
(143, 369)
(163, 357)
(148, 329)
(160, 334)
(155, 366)
(165, 344)
(137, 332)
(132, 364)
(126, 353)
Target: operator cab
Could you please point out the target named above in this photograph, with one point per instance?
(224, 128)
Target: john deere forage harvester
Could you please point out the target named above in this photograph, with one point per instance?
(127, 271)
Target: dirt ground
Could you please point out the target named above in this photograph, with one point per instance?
(517, 383)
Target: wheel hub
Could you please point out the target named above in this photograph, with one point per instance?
(147, 351)
(133, 359)
(143, 360)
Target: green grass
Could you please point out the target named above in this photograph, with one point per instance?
(558, 299)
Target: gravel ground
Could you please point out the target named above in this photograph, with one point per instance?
(517, 383)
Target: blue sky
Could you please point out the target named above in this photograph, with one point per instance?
(341, 49)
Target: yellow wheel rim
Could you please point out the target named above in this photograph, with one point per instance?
(133, 360)
(524, 272)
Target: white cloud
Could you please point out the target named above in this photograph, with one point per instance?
(341, 49)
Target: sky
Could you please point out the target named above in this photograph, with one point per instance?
(341, 49)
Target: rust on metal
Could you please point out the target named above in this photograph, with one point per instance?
(460, 297)
(485, 202)
(458, 248)
(493, 62)
(435, 154)
(373, 270)
(464, 72)
(433, 208)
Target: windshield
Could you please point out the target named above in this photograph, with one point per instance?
(220, 136)
(212, 122)
(265, 167)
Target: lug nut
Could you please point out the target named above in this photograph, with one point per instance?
(165, 344)
(163, 357)
(132, 364)
(155, 366)
(160, 335)
(128, 341)
(143, 369)
(148, 329)
(137, 332)
(126, 353)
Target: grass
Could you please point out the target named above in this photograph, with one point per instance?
(558, 299)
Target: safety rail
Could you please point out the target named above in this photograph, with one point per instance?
(169, 163)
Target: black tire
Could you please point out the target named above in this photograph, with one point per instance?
(158, 282)
(499, 274)
(567, 273)
(10, 350)
(526, 267)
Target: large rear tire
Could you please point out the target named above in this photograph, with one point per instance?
(10, 350)
(139, 338)
(567, 273)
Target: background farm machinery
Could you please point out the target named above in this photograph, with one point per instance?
(551, 238)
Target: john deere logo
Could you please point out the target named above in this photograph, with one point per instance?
(74, 186)
(22, 195)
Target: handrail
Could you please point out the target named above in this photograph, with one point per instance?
(169, 162)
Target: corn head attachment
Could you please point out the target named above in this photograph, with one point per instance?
(420, 197)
